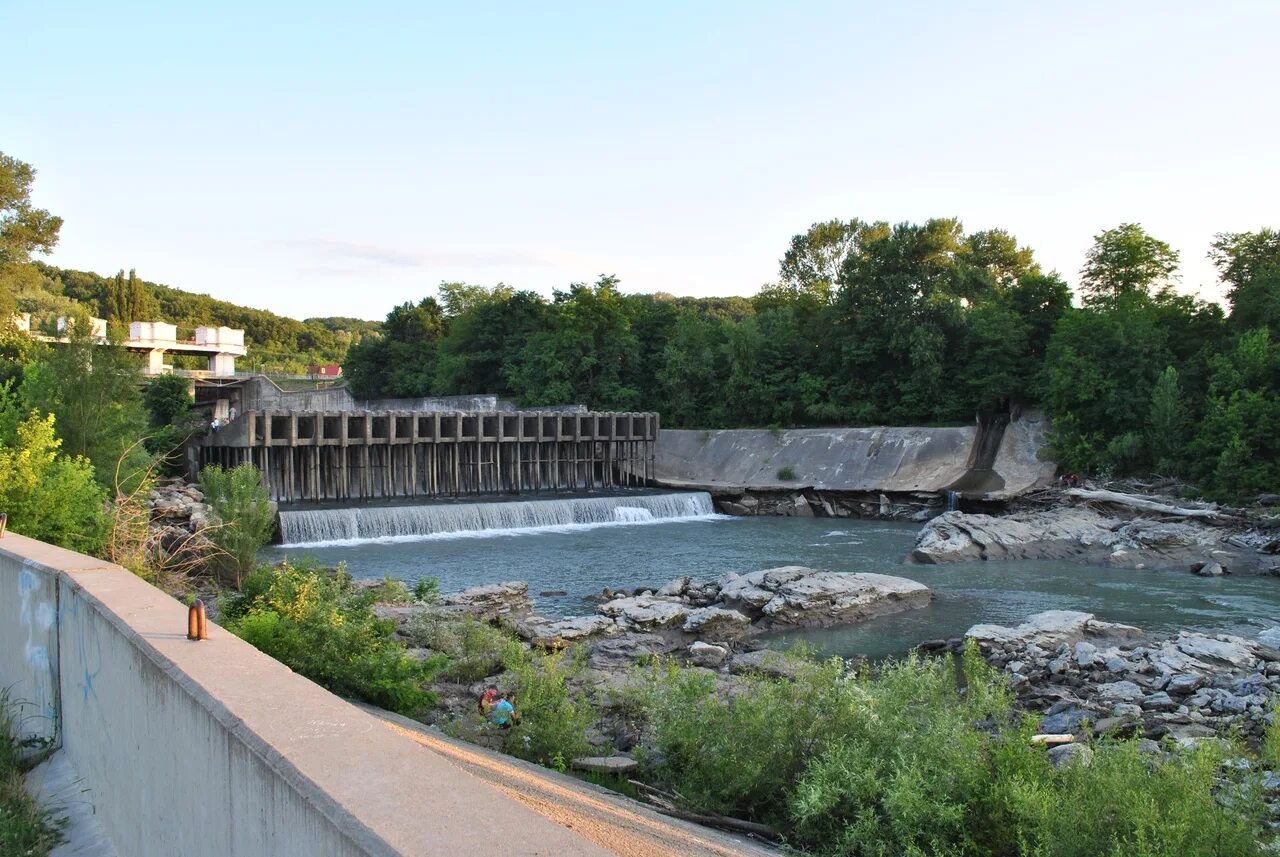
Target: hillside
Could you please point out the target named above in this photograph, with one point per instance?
(276, 343)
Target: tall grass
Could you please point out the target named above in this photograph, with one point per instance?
(26, 828)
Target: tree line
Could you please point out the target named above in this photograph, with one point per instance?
(913, 323)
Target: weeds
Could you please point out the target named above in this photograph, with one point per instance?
(26, 828)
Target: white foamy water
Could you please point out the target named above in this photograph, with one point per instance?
(332, 527)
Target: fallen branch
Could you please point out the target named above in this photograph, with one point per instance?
(1146, 504)
(663, 804)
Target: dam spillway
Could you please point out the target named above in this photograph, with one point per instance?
(444, 520)
(353, 456)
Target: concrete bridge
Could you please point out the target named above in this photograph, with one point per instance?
(162, 746)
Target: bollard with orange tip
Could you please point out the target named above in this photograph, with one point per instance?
(197, 622)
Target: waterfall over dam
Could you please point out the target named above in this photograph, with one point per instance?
(453, 520)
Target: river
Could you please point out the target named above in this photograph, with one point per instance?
(631, 549)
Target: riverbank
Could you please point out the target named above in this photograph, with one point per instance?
(1112, 528)
(1078, 682)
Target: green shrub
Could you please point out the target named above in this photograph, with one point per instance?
(553, 717)
(786, 474)
(1126, 802)
(245, 518)
(47, 494)
(926, 759)
(316, 624)
(475, 649)
(426, 590)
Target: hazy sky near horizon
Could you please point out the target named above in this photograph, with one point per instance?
(337, 159)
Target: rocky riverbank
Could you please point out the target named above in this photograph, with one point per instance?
(1079, 532)
(1091, 678)
(704, 622)
(178, 525)
(813, 503)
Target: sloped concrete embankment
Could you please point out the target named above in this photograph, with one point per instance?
(850, 472)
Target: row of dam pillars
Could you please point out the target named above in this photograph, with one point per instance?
(355, 456)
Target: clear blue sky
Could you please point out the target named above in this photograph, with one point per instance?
(322, 158)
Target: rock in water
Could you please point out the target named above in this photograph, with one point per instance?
(1062, 533)
(795, 596)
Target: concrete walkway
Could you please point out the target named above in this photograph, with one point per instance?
(605, 818)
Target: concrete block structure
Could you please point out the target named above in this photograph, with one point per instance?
(342, 456)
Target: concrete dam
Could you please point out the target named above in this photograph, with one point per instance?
(356, 456)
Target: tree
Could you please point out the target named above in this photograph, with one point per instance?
(245, 520)
(1249, 262)
(1125, 261)
(403, 362)
(94, 390)
(813, 262)
(24, 229)
(1167, 422)
(47, 494)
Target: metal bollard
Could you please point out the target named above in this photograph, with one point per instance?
(197, 622)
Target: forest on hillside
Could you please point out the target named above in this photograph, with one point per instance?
(277, 344)
(907, 324)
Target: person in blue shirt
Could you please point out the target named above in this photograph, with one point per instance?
(503, 714)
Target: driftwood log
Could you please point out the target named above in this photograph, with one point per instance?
(1146, 504)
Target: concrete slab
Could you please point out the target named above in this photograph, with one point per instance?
(60, 789)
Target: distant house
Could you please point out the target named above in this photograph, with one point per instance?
(327, 370)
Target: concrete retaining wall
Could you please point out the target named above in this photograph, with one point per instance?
(213, 748)
(847, 459)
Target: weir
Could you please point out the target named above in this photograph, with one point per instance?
(330, 526)
(314, 456)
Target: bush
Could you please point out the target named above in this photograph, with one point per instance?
(47, 494)
(318, 625)
(927, 759)
(553, 717)
(786, 474)
(1126, 802)
(475, 649)
(246, 520)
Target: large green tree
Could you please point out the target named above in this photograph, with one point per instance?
(1249, 263)
(1125, 261)
(95, 391)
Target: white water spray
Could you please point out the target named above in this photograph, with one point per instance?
(450, 520)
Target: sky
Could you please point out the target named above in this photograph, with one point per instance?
(340, 158)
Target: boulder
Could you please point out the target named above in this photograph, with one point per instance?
(1069, 754)
(675, 588)
(491, 601)
(554, 634)
(716, 622)
(622, 651)
(1121, 691)
(1208, 569)
(644, 612)
(1051, 628)
(707, 655)
(1223, 648)
(765, 662)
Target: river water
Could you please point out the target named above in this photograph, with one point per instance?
(631, 549)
